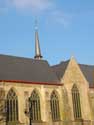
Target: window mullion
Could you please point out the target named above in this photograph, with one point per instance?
(76, 103)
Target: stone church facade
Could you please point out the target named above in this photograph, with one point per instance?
(34, 93)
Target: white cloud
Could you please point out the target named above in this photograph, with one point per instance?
(33, 5)
(58, 16)
(37, 7)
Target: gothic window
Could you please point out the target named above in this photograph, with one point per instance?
(76, 103)
(12, 106)
(34, 101)
(54, 102)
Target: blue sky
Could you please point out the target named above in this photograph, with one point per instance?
(66, 28)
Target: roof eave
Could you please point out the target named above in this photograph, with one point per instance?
(31, 82)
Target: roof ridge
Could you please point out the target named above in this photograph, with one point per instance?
(21, 57)
(86, 64)
(66, 61)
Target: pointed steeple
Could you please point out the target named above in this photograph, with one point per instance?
(37, 44)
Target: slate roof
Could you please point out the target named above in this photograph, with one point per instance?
(88, 71)
(59, 69)
(26, 69)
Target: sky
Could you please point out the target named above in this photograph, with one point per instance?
(66, 28)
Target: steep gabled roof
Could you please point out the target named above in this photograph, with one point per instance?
(60, 69)
(88, 71)
(26, 69)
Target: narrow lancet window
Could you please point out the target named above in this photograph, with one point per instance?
(76, 103)
(12, 106)
(54, 103)
(34, 101)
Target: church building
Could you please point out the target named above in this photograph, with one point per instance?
(34, 93)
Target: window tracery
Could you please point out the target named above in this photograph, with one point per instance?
(34, 101)
(54, 103)
(76, 102)
(12, 106)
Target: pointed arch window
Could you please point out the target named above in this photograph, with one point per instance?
(76, 103)
(12, 106)
(54, 103)
(35, 113)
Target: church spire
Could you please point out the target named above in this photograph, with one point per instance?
(37, 44)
